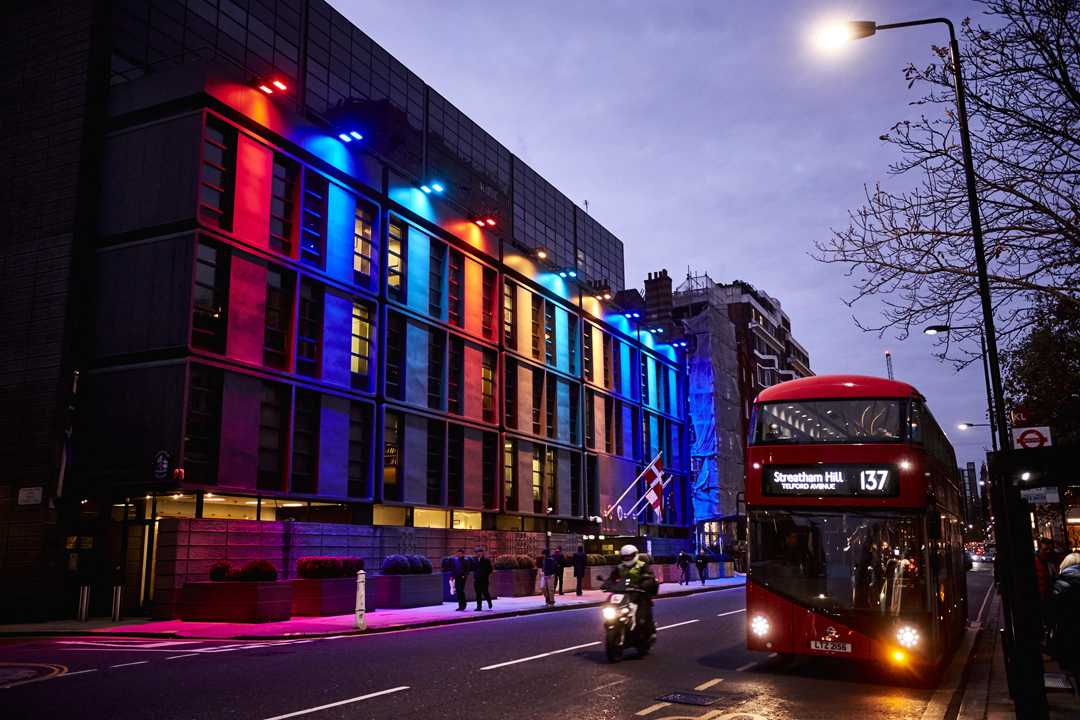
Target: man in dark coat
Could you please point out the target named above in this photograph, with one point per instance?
(580, 563)
(459, 571)
(548, 567)
(683, 562)
(1065, 614)
(560, 561)
(481, 575)
(702, 563)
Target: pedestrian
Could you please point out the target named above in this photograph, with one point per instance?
(459, 572)
(1045, 574)
(702, 563)
(560, 561)
(547, 578)
(1065, 615)
(683, 561)
(581, 561)
(481, 576)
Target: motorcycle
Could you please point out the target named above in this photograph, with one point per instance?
(626, 621)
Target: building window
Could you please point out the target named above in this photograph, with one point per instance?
(455, 466)
(305, 445)
(273, 410)
(489, 469)
(309, 328)
(436, 441)
(550, 402)
(218, 174)
(313, 228)
(575, 484)
(456, 289)
(282, 199)
(607, 359)
(436, 261)
(646, 437)
(609, 425)
(201, 434)
(572, 342)
(551, 478)
(359, 450)
(487, 300)
(536, 305)
(509, 314)
(618, 417)
(586, 351)
(510, 393)
(590, 421)
(395, 356)
(436, 366)
(538, 479)
(616, 365)
(278, 314)
(537, 399)
(208, 326)
(592, 485)
(575, 399)
(510, 474)
(395, 261)
(644, 380)
(456, 378)
(360, 346)
(550, 352)
(392, 431)
(487, 385)
(363, 250)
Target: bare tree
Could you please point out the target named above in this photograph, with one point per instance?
(911, 249)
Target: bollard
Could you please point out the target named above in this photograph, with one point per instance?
(361, 623)
(117, 592)
(84, 603)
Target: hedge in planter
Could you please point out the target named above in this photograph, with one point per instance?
(248, 594)
(327, 586)
(514, 576)
(405, 582)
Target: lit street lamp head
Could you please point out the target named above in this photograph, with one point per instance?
(835, 35)
(935, 329)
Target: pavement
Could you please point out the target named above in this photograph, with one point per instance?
(528, 667)
(377, 621)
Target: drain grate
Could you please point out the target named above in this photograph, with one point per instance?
(689, 698)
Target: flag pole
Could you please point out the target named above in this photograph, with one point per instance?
(639, 509)
(630, 487)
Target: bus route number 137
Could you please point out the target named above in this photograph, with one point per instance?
(873, 480)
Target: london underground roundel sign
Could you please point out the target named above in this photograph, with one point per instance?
(1031, 437)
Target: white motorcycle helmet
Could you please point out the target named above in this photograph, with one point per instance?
(629, 554)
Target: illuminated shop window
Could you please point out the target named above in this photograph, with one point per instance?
(360, 345)
(362, 243)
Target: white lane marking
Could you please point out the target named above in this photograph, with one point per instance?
(709, 683)
(950, 683)
(541, 655)
(747, 666)
(77, 672)
(678, 624)
(137, 662)
(610, 684)
(339, 703)
(177, 657)
(733, 612)
(652, 709)
(129, 643)
(985, 602)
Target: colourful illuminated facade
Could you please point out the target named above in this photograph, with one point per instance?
(324, 304)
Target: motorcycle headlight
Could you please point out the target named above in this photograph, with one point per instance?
(759, 625)
(907, 636)
(609, 613)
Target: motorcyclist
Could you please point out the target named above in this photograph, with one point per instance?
(635, 572)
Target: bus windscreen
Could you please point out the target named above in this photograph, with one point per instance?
(828, 421)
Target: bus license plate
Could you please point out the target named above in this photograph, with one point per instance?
(830, 646)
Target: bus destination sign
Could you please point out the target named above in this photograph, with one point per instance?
(831, 480)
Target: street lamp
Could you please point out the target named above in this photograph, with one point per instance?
(858, 29)
(937, 329)
(968, 426)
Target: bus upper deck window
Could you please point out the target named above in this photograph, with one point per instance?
(915, 421)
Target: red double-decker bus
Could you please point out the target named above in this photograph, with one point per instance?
(855, 533)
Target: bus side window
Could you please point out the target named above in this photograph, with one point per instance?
(915, 422)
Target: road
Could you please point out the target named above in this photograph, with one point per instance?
(538, 666)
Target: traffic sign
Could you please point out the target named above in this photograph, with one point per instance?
(1041, 495)
(1031, 437)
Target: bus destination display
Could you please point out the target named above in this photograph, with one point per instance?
(831, 480)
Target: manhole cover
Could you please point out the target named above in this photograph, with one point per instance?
(689, 698)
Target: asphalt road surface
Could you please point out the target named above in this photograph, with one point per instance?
(537, 666)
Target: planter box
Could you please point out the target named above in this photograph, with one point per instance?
(405, 591)
(591, 571)
(236, 601)
(470, 588)
(513, 583)
(329, 596)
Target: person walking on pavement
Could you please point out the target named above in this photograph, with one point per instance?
(560, 561)
(1065, 615)
(459, 571)
(580, 561)
(702, 563)
(683, 562)
(547, 579)
(482, 570)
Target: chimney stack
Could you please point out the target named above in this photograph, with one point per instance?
(658, 300)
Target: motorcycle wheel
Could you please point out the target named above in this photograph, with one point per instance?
(613, 645)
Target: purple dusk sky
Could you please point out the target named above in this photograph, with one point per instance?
(704, 134)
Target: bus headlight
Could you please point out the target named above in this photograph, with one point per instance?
(608, 612)
(907, 636)
(759, 625)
